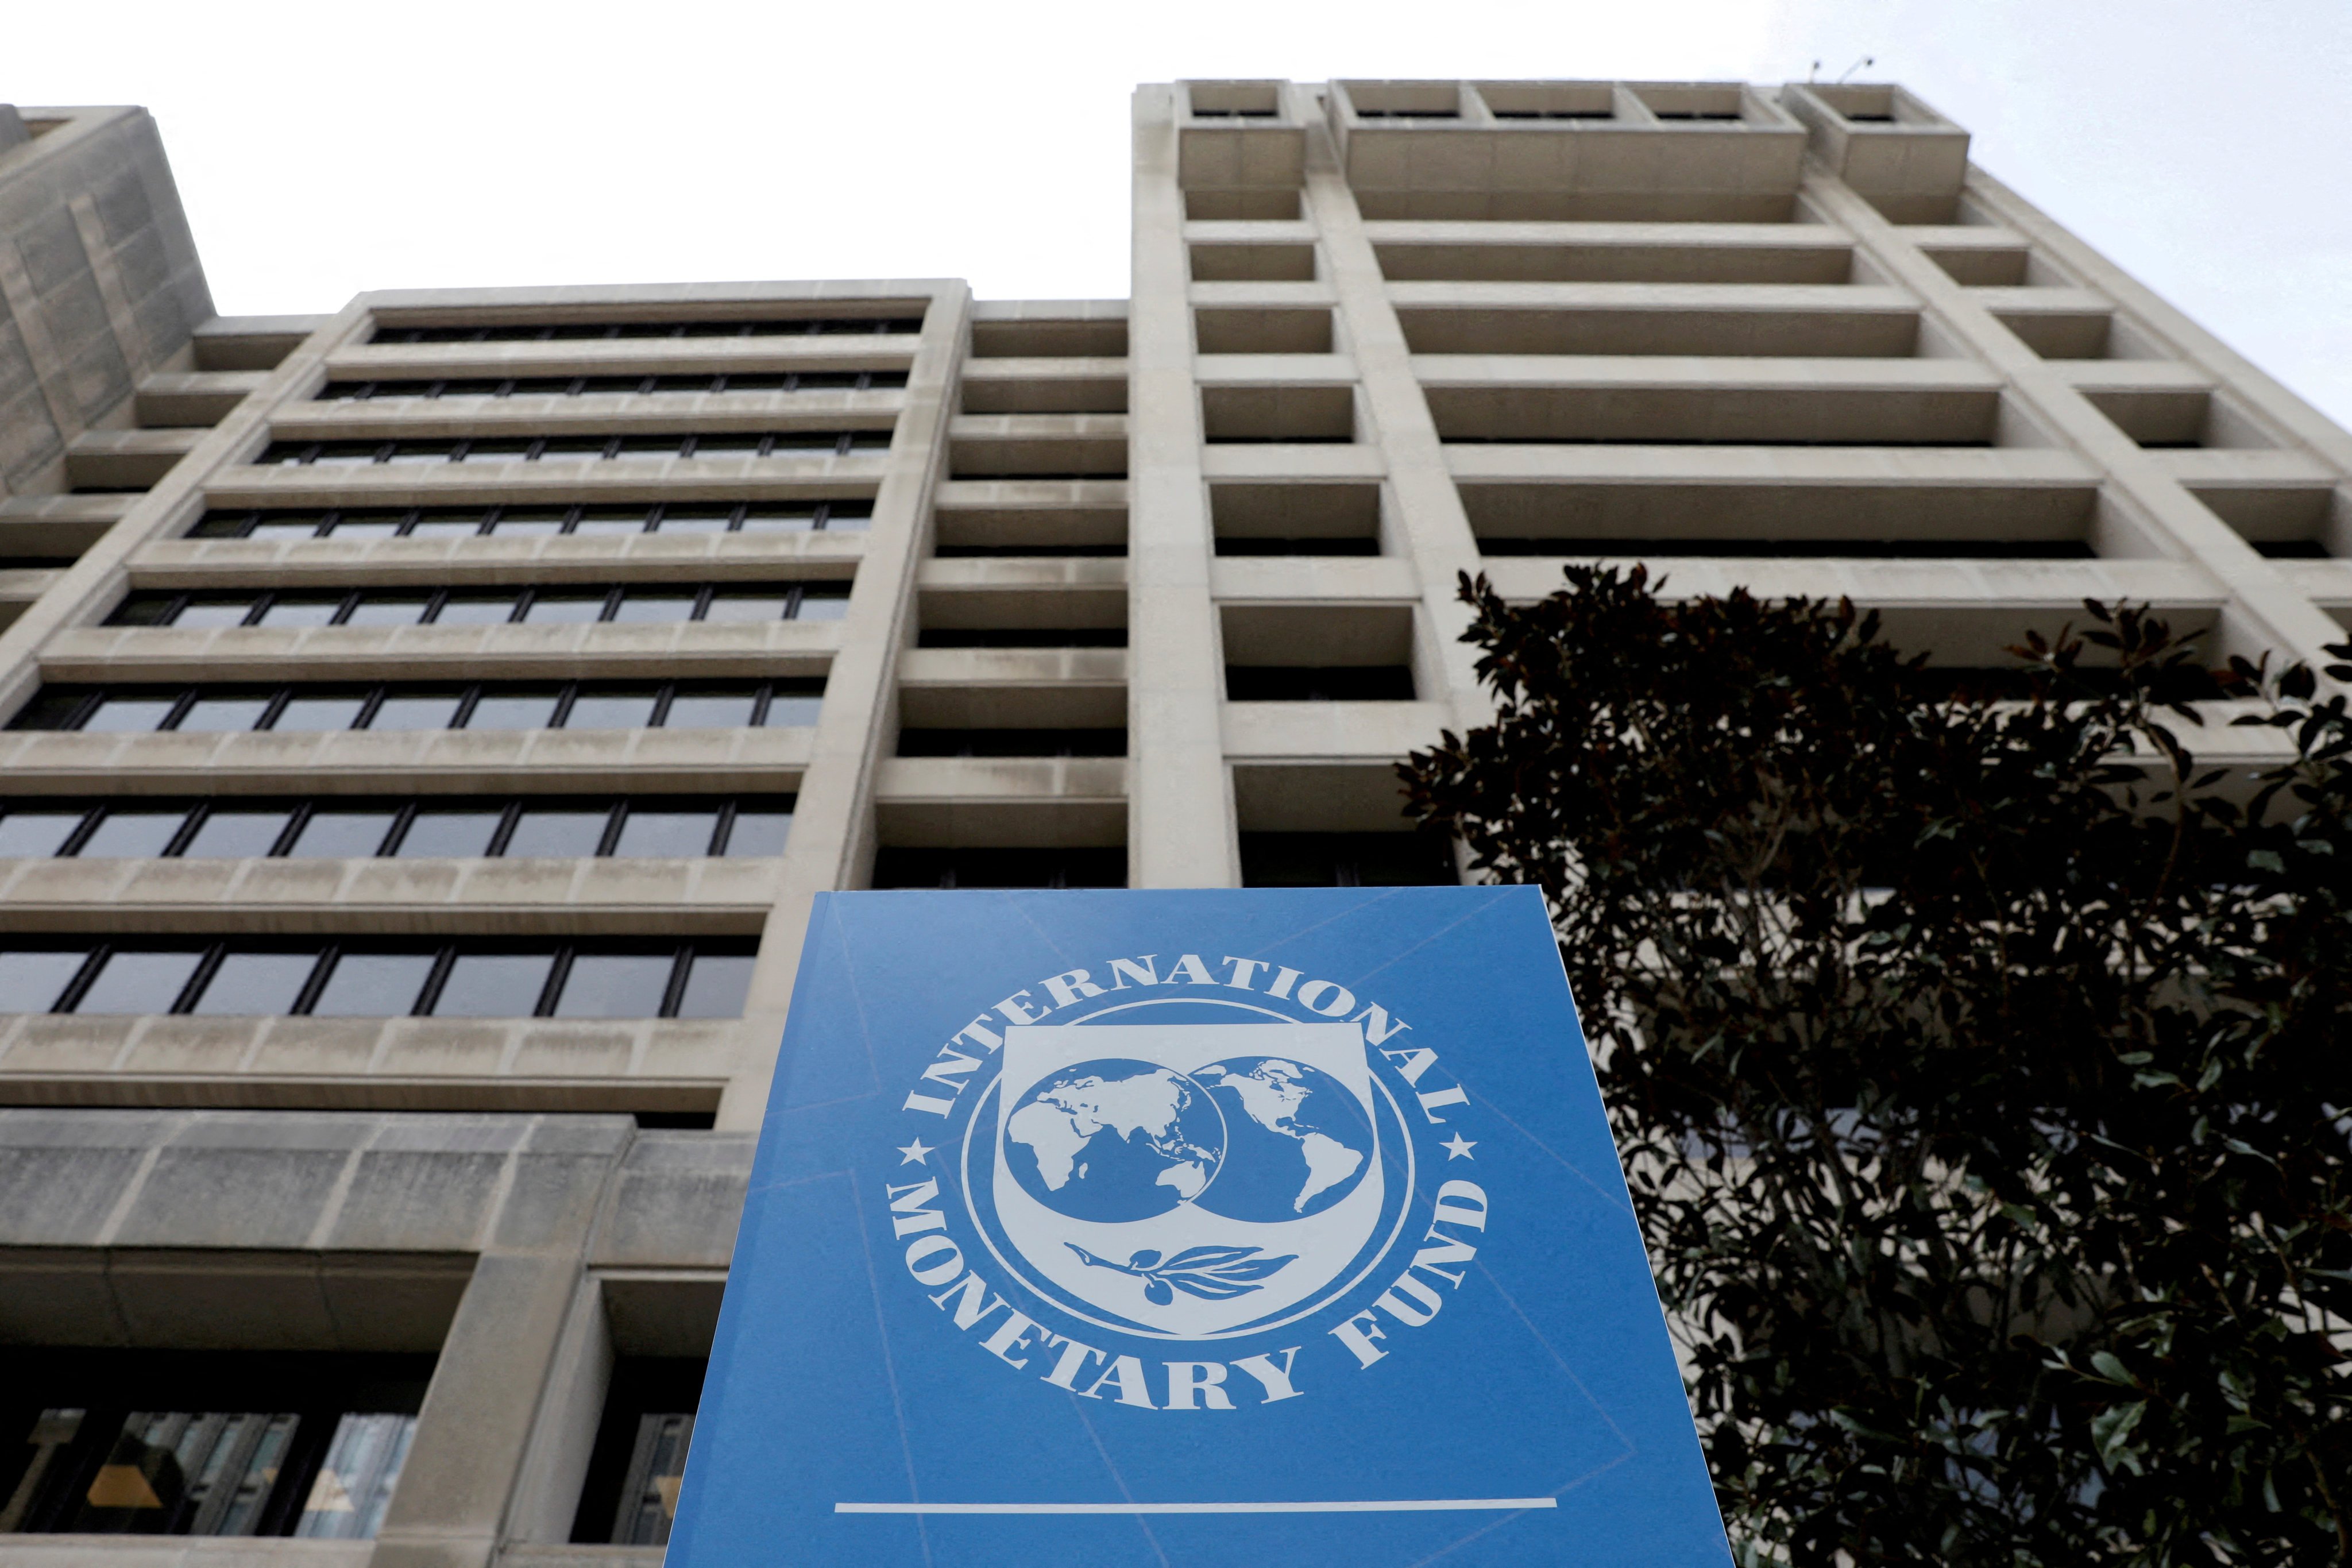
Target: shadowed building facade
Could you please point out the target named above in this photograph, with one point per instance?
(427, 725)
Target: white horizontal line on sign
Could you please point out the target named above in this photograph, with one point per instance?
(1371, 1505)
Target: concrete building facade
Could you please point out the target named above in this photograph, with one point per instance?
(427, 725)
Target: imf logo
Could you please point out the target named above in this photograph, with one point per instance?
(1169, 1160)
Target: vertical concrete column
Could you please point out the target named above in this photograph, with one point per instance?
(1431, 523)
(1179, 797)
(474, 1431)
(832, 843)
(2265, 612)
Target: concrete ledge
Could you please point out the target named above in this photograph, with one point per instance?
(827, 556)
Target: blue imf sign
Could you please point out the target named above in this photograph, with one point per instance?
(1189, 1228)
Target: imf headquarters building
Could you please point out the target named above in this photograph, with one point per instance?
(422, 728)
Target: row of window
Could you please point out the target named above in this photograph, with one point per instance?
(578, 386)
(526, 521)
(119, 1442)
(421, 705)
(576, 448)
(591, 332)
(244, 977)
(638, 604)
(440, 827)
(1268, 860)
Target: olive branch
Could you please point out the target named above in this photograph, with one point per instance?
(1211, 1273)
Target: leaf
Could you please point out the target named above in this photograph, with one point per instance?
(1196, 1257)
(1143, 1259)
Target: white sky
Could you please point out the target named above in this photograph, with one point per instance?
(325, 149)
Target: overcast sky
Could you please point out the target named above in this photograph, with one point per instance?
(322, 150)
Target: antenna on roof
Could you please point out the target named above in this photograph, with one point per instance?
(1865, 60)
(1815, 73)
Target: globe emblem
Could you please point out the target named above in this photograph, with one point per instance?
(1296, 1140)
(1259, 1138)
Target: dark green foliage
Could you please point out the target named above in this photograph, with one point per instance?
(1983, 1072)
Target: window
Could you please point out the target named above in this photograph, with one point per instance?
(753, 327)
(467, 978)
(1300, 683)
(1103, 743)
(784, 601)
(575, 448)
(896, 868)
(445, 522)
(629, 1497)
(489, 705)
(1346, 860)
(204, 1444)
(579, 386)
(444, 827)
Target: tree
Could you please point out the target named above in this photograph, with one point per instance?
(1982, 1068)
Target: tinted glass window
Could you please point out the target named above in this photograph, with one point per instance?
(666, 834)
(373, 528)
(695, 709)
(823, 604)
(204, 613)
(446, 528)
(289, 612)
(494, 986)
(415, 711)
(758, 832)
(555, 832)
(31, 982)
(716, 986)
(615, 985)
(374, 985)
(25, 835)
(342, 834)
(140, 981)
(293, 527)
(565, 609)
(475, 610)
(238, 833)
(785, 709)
(743, 606)
(257, 985)
(512, 710)
(313, 713)
(449, 834)
(623, 710)
(374, 612)
(131, 714)
(649, 604)
(134, 833)
(221, 715)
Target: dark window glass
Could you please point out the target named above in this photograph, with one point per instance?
(642, 605)
(364, 527)
(463, 527)
(731, 444)
(289, 612)
(1346, 860)
(32, 979)
(758, 832)
(695, 519)
(388, 611)
(561, 608)
(352, 833)
(651, 446)
(528, 709)
(769, 517)
(144, 610)
(1299, 683)
(203, 614)
(531, 519)
(703, 708)
(477, 609)
(137, 715)
(131, 833)
(28, 834)
(615, 985)
(716, 985)
(410, 709)
(285, 528)
(739, 604)
(53, 707)
(448, 834)
(374, 985)
(1104, 867)
(676, 834)
(629, 1495)
(557, 832)
(607, 519)
(628, 708)
(139, 981)
(220, 713)
(311, 713)
(825, 603)
(494, 986)
(257, 985)
(238, 832)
